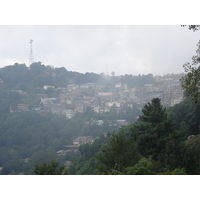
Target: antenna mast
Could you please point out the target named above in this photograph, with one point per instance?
(31, 53)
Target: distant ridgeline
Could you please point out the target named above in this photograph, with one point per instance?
(21, 77)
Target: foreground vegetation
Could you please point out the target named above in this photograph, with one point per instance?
(156, 144)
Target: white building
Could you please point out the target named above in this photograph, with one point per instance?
(47, 101)
(110, 104)
(48, 86)
(70, 113)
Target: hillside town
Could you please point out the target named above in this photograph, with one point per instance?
(76, 98)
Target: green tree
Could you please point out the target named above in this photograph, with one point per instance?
(143, 167)
(87, 168)
(191, 81)
(173, 156)
(187, 116)
(153, 112)
(118, 153)
(50, 169)
(177, 171)
(86, 151)
(85, 164)
(153, 129)
(181, 171)
(191, 158)
(193, 27)
(43, 156)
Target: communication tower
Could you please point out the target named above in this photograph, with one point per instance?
(31, 53)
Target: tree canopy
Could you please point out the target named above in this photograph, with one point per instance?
(191, 81)
(50, 169)
(120, 152)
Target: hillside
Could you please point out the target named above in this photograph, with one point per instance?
(47, 113)
(32, 129)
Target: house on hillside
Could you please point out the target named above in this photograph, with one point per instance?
(61, 152)
(48, 101)
(110, 104)
(67, 164)
(22, 107)
(71, 87)
(70, 113)
(48, 86)
(83, 140)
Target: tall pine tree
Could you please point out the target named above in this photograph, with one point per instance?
(153, 129)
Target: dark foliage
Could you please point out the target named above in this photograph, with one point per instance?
(49, 169)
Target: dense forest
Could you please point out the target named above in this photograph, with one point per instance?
(160, 141)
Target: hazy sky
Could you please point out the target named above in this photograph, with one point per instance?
(124, 49)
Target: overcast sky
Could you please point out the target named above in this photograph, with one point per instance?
(124, 49)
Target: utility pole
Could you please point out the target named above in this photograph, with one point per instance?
(31, 53)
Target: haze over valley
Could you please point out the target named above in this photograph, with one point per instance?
(108, 112)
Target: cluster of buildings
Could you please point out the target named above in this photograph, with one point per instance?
(167, 88)
(101, 98)
(75, 98)
(77, 142)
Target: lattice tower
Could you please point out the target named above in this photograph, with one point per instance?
(31, 53)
